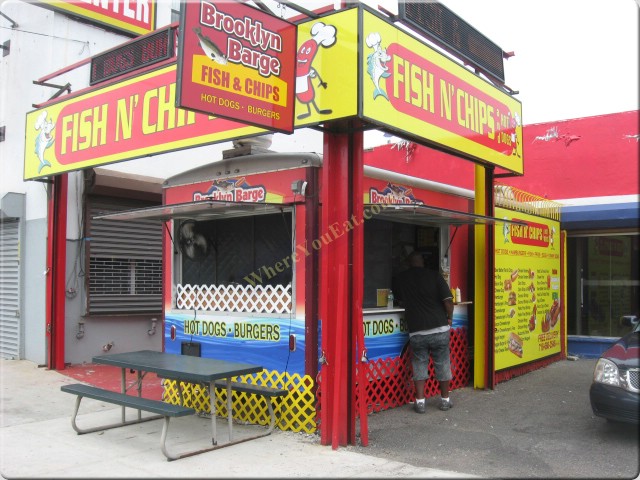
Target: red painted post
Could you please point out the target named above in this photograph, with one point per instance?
(357, 290)
(335, 294)
(326, 290)
(56, 272)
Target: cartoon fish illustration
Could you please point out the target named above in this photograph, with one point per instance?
(376, 63)
(44, 139)
(506, 231)
(210, 48)
(399, 191)
(228, 185)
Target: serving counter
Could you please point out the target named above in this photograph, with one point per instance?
(386, 334)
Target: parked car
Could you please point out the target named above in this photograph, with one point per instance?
(615, 390)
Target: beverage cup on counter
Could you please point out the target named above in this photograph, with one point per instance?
(382, 294)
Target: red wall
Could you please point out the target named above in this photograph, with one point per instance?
(589, 157)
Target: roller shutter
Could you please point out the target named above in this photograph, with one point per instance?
(125, 261)
(9, 289)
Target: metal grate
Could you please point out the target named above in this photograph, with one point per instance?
(125, 261)
(633, 380)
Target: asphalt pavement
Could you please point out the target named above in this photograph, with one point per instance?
(536, 425)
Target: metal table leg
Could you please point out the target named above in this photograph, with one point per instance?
(229, 409)
(123, 389)
(212, 406)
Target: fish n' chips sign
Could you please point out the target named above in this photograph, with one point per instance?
(130, 119)
(237, 62)
(352, 63)
(409, 87)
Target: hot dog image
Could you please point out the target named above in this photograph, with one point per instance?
(514, 275)
(507, 284)
(515, 344)
(512, 312)
(513, 299)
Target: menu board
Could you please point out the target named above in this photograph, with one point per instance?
(528, 305)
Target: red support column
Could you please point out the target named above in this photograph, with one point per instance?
(335, 290)
(56, 272)
(357, 292)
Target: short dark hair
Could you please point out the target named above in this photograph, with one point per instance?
(415, 259)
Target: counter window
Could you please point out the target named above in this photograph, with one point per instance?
(386, 246)
(235, 264)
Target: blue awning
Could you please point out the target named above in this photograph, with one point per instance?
(612, 215)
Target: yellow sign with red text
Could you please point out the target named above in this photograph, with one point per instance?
(349, 64)
(528, 304)
(409, 87)
(125, 120)
(135, 17)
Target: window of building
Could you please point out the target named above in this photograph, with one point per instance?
(124, 260)
(175, 11)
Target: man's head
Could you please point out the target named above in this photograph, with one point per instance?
(415, 259)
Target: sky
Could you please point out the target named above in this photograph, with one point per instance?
(573, 59)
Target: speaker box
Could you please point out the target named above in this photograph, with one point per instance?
(191, 348)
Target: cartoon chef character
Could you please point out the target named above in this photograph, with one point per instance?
(321, 35)
(515, 123)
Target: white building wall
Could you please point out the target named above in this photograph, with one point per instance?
(44, 42)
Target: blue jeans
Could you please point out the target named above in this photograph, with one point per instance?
(436, 345)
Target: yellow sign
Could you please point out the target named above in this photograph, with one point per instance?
(409, 87)
(130, 119)
(135, 17)
(350, 64)
(327, 68)
(528, 304)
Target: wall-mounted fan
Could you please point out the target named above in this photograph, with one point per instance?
(193, 243)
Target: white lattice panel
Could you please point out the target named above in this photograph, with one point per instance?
(235, 298)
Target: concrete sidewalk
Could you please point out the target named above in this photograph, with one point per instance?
(37, 441)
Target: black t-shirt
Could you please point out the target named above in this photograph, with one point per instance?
(422, 293)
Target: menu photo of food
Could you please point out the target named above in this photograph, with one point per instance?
(533, 319)
(514, 344)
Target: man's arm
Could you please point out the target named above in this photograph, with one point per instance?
(448, 306)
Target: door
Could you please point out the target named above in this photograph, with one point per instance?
(609, 283)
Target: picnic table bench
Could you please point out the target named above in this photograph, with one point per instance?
(162, 409)
(205, 371)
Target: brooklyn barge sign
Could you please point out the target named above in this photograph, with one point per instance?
(352, 63)
(237, 62)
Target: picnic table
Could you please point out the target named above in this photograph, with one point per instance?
(208, 372)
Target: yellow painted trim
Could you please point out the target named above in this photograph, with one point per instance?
(480, 290)
(563, 236)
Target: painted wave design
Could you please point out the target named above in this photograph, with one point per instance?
(272, 355)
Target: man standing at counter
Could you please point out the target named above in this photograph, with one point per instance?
(428, 308)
